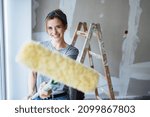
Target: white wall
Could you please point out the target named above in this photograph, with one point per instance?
(17, 31)
(113, 15)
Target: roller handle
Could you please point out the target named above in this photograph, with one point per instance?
(46, 88)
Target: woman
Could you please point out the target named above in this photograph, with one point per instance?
(56, 25)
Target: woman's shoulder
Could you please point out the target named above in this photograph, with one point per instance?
(72, 52)
(73, 49)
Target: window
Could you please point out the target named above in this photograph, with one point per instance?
(2, 55)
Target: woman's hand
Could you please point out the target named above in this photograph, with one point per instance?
(30, 95)
(42, 93)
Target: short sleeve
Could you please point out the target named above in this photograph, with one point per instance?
(72, 52)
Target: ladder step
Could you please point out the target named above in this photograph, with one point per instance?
(95, 55)
(82, 33)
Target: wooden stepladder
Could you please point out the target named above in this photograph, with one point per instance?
(93, 30)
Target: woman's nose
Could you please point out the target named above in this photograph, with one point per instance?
(54, 31)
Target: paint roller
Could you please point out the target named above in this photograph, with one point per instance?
(58, 67)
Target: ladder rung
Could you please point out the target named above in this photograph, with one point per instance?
(82, 33)
(95, 55)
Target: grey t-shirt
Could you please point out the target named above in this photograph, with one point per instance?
(69, 51)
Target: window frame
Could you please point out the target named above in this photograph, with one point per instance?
(2, 54)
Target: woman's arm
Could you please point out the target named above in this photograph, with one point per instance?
(32, 84)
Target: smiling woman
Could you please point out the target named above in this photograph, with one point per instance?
(56, 25)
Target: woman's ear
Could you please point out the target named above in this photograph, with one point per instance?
(65, 27)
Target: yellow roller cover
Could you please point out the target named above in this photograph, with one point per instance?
(58, 67)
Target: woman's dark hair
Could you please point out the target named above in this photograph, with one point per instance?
(57, 14)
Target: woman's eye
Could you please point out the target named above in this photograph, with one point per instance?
(50, 28)
(58, 26)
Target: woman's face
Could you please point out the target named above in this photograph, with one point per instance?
(55, 28)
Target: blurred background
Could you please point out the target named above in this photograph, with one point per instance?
(128, 54)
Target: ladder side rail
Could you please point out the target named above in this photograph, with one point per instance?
(75, 35)
(85, 27)
(105, 62)
(86, 44)
(97, 94)
(90, 58)
(91, 62)
(92, 66)
(89, 49)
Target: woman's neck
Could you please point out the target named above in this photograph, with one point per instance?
(59, 44)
